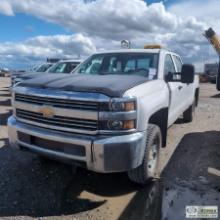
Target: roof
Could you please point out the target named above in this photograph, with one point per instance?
(131, 51)
(70, 61)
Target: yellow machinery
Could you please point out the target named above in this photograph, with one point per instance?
(153, 46)
(215, 42)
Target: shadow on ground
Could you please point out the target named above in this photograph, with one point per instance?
(35, 188)
(185, 181)
(5, 95)
(4, 117)
(180, 121)
(146, 204)
(216, 96)
(5, 90)
(194, 154)
(6, 102)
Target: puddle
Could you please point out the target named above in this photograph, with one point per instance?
(182, 193)
(167, 201)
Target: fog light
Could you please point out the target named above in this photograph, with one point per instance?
(115, 125)
(121, 125)
(128, 125)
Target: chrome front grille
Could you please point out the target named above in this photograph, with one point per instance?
(65, 111)
(58, 121)
(60, 103)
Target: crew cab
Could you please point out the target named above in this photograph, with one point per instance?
(110, 115)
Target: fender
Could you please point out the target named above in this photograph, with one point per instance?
(160, 118)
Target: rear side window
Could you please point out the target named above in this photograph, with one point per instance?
(178, 63)
(63, 67)
(168, 65)
(70, 67)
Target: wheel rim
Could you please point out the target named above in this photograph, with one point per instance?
(153, 157)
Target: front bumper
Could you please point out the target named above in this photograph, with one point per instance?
(101, 153)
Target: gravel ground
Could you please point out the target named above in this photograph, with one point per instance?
(34, 189)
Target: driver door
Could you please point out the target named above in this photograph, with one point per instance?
(174, 91)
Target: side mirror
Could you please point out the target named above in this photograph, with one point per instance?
(169, 77)
(187, 73)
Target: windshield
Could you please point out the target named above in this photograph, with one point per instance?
(144, 64)
(43, 67)
(63, 67)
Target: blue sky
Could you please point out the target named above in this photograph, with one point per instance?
(22, 26)
(36, 29)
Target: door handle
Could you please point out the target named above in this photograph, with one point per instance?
(180, 87)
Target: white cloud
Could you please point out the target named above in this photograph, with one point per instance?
(110, 19)
(199, 9)
(101, 24)
(42, 47)
(5, 8)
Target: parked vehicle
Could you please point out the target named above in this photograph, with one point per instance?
(64, 66)
(60, 67)
(18, 75)
(4, 72)
(110, 115)
(43, 68)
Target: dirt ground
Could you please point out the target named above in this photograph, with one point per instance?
(33, 189)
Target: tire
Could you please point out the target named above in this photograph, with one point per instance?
(188, 115)
(213, 81)
(149, 168)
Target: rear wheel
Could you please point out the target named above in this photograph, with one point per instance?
(188, 115)
(149, 167)
(213, 81)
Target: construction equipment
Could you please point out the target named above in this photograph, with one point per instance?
(215, 42)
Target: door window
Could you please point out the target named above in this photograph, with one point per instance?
(178, 63)
(168, 65)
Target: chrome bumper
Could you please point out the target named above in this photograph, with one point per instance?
(102, 153)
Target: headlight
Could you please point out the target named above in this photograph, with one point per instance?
(120, 114)
(17, 80)
(118, 125)
(115, 125)
(119, 105)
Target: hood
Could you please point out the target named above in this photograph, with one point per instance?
(110, 85)
(30, 75)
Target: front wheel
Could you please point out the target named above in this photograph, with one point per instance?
(150, 165)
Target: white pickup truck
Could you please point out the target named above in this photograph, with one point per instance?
(110, 115)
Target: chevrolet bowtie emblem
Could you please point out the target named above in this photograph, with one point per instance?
(47, 111)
